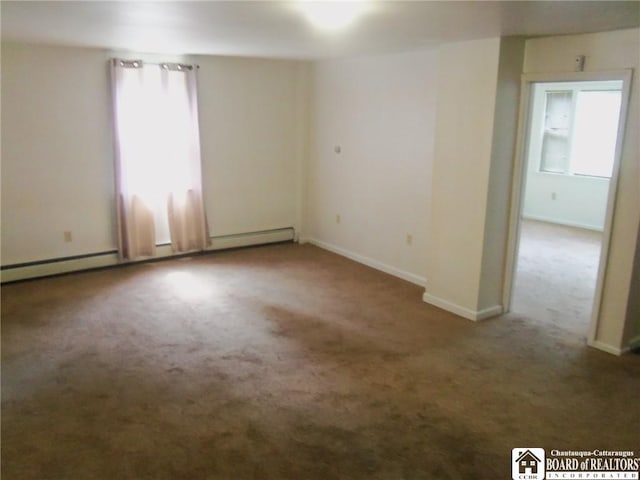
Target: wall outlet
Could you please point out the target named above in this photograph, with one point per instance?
(409, 239)
(67, 236)
(553, 195)
(338, 218)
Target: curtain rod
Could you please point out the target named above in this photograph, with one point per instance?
(165, 65)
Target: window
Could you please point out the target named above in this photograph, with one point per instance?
(579, 127)
(595, 132)
(557, 132)
(158, 171)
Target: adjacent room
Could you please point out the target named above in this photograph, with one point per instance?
(282, 240)
(570, 158)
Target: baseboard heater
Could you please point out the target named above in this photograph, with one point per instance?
(56, 266)
(253, 238)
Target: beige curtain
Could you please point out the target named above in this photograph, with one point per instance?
(186, 222)
(158, 164)
(142, 234)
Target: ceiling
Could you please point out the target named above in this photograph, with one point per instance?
(277, 29)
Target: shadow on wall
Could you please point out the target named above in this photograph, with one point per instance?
(633, 307)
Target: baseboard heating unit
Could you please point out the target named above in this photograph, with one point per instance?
(56, 266)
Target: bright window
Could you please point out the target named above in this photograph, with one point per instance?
(595, 132)
(158, 171)
(579, 128)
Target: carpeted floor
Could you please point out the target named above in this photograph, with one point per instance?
(556, 276)
(287, 362)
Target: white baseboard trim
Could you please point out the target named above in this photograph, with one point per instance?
(568, 223)
(475, 315)
(490, 312)
(605, 347)
(110, 259)
(370, 262)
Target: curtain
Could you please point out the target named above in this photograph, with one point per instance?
(158, 164)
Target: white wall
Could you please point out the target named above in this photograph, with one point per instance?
(380, 111)
(475, 143)
(57, 153)
(608, 51)
(250, 129)
(579, 201)
(467, 85)
(497, 216)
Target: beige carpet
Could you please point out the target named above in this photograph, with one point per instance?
(556, 277)
(287, 362)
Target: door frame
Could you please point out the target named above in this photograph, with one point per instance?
(519, 180)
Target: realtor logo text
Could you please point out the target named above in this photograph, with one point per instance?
(534, 464)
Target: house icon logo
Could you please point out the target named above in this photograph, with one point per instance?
(527, 464)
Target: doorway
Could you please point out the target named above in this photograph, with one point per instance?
(564, 190)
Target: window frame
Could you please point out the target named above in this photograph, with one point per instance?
(539, 109)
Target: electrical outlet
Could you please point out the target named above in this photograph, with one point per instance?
(67, 236)
(553, 195)
(409, 239)
(338, 218)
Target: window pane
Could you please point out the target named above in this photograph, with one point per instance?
(555, 137)
(596, 129)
